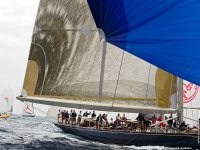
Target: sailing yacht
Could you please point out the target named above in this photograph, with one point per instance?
(6, 103)
(28, 110)
(116, 56)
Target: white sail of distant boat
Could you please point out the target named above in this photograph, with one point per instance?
(28, 109)
(6, 102)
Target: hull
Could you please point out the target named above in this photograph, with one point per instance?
(28, 115)
(4, 116)
(134, 138)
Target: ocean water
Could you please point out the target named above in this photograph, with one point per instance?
(18, 132)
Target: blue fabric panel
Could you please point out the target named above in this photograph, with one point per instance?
(165, 33)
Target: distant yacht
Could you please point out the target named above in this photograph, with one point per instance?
(28, 110)
(6, 103)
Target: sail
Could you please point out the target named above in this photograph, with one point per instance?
(165, 33)
(65, 66)
(28, 109)
(6, 100)
(191, 104)
(53, 112)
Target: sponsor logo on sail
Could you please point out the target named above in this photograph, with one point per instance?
(190, 91)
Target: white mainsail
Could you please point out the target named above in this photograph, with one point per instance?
(65, 66)
(6, 100)
(28, 109)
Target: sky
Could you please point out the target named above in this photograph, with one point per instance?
(17, 18)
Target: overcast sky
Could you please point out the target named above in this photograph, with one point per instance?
(17, 18)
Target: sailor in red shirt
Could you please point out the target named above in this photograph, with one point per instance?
(162, 124)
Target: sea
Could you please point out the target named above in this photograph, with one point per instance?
(39, 133)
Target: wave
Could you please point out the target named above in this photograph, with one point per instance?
(40, 133)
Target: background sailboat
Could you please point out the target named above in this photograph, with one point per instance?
(6, 103)
(28, 109)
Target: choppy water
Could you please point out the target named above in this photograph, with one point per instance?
(30, 133)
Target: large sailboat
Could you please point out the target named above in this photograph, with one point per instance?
(116, 56)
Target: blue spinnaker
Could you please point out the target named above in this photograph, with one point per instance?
(165, 33)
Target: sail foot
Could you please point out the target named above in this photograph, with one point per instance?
(103, 106)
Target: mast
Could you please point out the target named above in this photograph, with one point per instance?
(33, 108)
(180, 101)
(103, 40)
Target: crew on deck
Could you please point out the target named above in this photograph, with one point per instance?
(112, 125)
(183, 126)
(99, 121)
(154, 119)
(74, 115)
(63, 116)
(104, 120)
(117, 121)
(67, 121)
(58, 116)
(140, 119)
(86, 114)
(79, 118)
(161, 118)
(124, 117)
(174, 123)
(143, 121)
(170, 122)
(93, 115)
